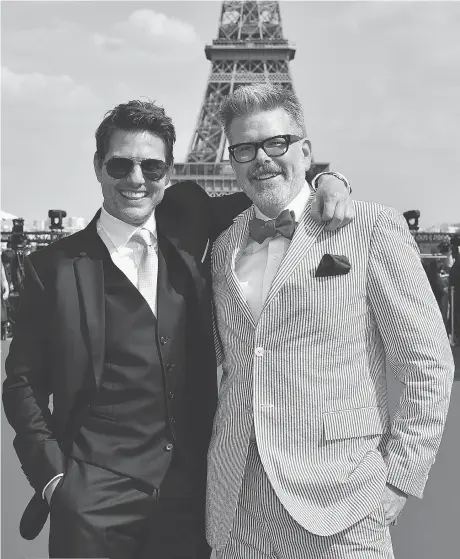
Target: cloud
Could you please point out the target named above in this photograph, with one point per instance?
(149, 35)
(151, 26)
(63, 64)
(144, 37)
(105, 41)
(41, 89)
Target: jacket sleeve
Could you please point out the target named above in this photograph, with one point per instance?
(416, 347)
(224, 209)
(26, 389)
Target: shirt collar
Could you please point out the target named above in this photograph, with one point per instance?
(119, 232)
(297, 204)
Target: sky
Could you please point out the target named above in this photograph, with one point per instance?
(379, 82)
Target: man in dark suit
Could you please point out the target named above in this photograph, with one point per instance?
(115, 322)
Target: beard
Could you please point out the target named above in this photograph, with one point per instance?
(269, 196)
(265, 170)
(272, 195)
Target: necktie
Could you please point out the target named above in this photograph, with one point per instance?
(148, 268)
(284, 225)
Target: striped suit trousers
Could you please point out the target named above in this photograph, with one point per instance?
(263, 529)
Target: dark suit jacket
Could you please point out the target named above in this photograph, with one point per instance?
(58, 345)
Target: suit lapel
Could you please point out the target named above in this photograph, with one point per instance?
(237, 241)
(305, 236)
(90, 284)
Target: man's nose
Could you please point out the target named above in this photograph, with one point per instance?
(261, 156)
(136, 177)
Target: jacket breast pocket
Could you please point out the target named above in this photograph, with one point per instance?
(354, 423)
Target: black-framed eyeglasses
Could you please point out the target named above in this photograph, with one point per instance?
(273, 147)
(121, 167)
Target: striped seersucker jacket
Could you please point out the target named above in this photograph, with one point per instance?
(311, 373)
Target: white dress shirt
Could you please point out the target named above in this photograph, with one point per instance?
(125, 254)
(258, 264)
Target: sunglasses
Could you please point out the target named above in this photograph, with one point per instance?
(121, 167)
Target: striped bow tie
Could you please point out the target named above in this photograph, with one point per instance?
(284, 225)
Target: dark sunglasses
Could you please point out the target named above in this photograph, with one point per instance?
(121, 167)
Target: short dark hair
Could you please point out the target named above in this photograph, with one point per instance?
(143, 116)
(261, 97)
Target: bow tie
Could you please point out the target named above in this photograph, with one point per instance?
(284, 225)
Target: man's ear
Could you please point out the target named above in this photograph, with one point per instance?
(97, 163)
(306, 149)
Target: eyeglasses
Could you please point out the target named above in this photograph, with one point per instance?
(275, 146)
(121, 167)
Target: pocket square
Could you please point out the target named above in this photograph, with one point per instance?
(333, 265)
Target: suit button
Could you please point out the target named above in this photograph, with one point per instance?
(173, 420)
(168, 447)
(259, 351)
(169, 367)
(163, 340)
(171, 395)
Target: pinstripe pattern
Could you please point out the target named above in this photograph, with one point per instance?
(217, 342)
(263, 529)
(311, 374)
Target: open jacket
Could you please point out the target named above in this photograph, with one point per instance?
(58, 345)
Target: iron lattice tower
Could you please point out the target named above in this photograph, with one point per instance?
(250, 48)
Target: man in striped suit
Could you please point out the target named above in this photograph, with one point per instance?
(304, 461)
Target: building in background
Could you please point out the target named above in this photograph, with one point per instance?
(250, 48)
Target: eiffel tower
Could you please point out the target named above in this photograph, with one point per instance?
(250, 48)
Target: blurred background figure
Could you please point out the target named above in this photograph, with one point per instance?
(454, 290)
(5, 297)
(436, 279)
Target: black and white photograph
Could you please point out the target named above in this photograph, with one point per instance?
(230, 280)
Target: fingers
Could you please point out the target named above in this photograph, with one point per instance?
(391, 520)
(349, 215)
(337, 217)
(316, 210)
(393, 502)
(390, 515)
(330, 202)
(337, 209)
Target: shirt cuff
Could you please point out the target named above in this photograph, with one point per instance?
(49, 483)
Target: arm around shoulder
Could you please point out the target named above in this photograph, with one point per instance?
(224, 209)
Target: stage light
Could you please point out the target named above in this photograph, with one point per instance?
(56, 217)
(412, 217)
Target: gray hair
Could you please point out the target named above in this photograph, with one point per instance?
(260, 97)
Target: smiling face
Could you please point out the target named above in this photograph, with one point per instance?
(270, 182)
(133, 198)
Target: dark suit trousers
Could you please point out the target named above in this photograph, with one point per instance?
(95, 513)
